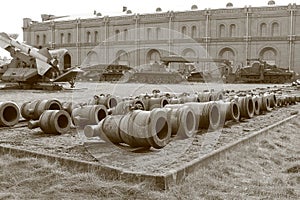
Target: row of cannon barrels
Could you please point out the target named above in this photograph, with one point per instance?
(148, 120)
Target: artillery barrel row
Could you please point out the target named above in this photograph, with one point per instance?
(158, 181)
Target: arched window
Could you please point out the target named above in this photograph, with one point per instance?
(125, 34)
(222, 30)
(62, 38)
(153, 56)
(117, 35)
(37, 42)
(263, 29)
(232, 30)
(44, 39)
(194, 31)
(275, 29)
(183, 31)
(96, 37)
(69, 38)
(269, 54)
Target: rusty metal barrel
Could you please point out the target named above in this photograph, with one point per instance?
(67, 106)
(205, 97)
(182, 120)
(175, 100)
(89, 114)
(52, 122)
(34, 109)
(257, 100)
(9, 113)
(273, 100)
(189, 98)
(109, 101)
(265, 103)
(155, 102)
(281, 101)
(207, 114)
(217, 96)
(229, 111)
(246, 106)
(126, 106)
(137, 128)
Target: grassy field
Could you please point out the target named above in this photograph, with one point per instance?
(268, 169)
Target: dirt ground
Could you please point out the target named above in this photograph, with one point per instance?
(230, 177)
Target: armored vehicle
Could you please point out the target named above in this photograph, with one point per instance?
(260, 71)
(155, 73)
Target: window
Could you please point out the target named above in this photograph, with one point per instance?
(69, 38)
(148, 33)
(157, 33)
(222, 30)
(96, 39)
(117, 35)
(194, 31)
(37, 40)
(44, 39)
(88, 37)
(263, 29)
(62, 38)
(232, 30)
(275, 29)
(183, 31)
(125, 34)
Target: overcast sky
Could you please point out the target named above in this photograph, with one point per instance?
(13, 12)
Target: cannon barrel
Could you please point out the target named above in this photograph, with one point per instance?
(34, 109)
(137, 128)
(9, 113)
(52, 122)
(88, 115)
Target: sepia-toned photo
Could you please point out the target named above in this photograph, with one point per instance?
(150, 99)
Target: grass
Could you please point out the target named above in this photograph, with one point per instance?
(268, 169)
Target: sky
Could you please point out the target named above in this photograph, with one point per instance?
(13, 12)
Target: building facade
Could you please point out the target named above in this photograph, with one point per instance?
(271, 33)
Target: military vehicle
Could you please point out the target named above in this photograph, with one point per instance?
(114, 72)
(258, 71)
(104, 72)
(33, 68)
(197, 69)
(155, 73)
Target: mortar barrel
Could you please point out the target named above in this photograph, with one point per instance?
(151, 103)
(207, 114)
(109, 101)
(126, 106)
(265, 103)
(9, 113)
(34, 109)
(146, 128)
(229, 111)
(88, 115)
(182, 121)
(246, 105)
(205, 97)
(107, 129)
(52, 122)
(257, 100)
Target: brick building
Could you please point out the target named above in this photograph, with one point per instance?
(271, 33)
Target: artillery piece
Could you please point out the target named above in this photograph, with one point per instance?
(35, 68)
